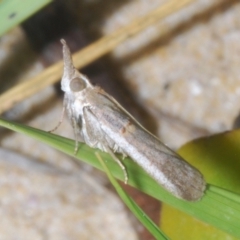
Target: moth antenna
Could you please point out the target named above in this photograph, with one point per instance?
(68, 69)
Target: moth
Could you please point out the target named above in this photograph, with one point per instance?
(104, 124)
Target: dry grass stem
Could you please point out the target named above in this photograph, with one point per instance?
(87, 55)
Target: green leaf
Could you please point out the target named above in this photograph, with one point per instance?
(218, 207)
(218, 158)
(135, 209)
(13, 12)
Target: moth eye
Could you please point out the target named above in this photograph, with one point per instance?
(77, 84)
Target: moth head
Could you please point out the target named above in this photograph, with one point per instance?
(72, 80)
(77, 84)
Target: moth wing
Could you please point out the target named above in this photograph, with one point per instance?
(165, 166)
(93, 133)
(99, 139)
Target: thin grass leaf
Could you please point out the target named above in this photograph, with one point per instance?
(135, 209)
(218, 207)
(13, 12)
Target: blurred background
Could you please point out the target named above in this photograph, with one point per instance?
(179, 77)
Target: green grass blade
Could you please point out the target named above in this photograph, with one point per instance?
(13, 12)
(218, 207)
(135, 209)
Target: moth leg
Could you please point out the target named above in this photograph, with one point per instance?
(119, 163)
(124, 155)
(75, 131)
(98, 138)
(60, 121)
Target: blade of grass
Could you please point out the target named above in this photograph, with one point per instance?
(135, 209)
(218, 207)
(13, 12)
(87, 55)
